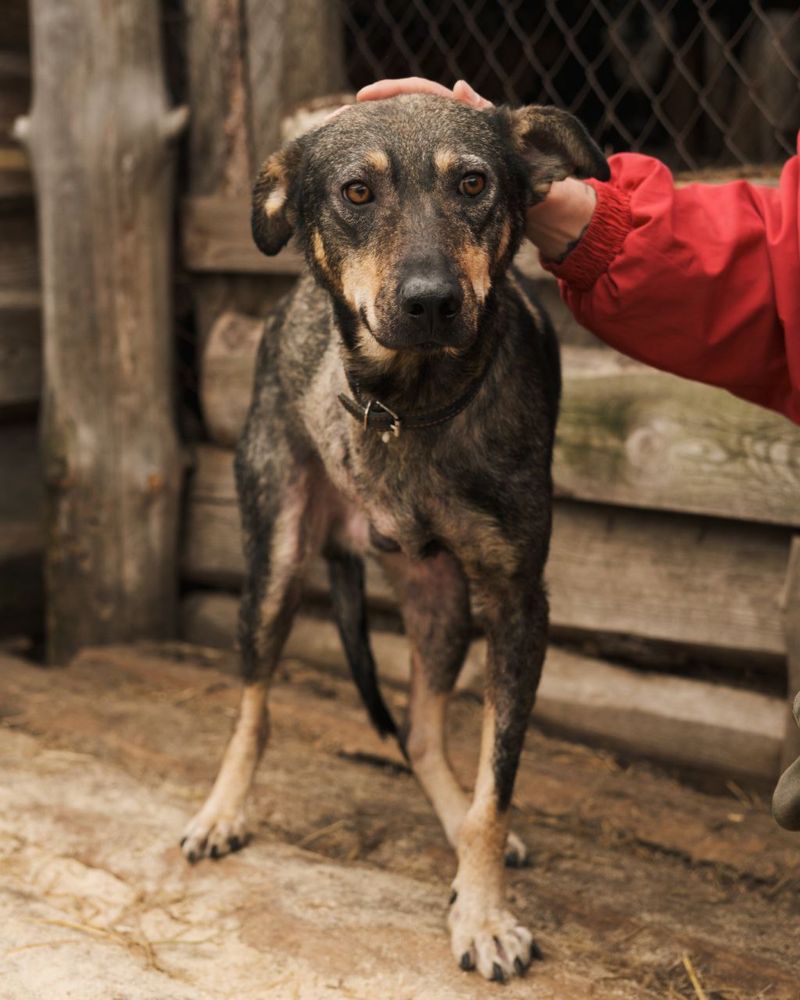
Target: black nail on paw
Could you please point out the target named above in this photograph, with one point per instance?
(183, 841)
(453, 897)
(191, 857)
(214, 852)
(497, 973)
(519, 967)
(466, 962)
(536, 953)
(235, 843)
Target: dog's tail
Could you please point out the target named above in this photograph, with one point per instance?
(349, 607)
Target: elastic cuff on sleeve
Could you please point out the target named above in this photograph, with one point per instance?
(610, 224)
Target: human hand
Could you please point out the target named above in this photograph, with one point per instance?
(555, 224)
(419, 85)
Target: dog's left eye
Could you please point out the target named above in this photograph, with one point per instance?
(472, 184)
(357, 193)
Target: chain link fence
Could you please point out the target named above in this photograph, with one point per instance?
(699, 83)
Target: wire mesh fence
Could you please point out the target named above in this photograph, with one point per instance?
(700, 83)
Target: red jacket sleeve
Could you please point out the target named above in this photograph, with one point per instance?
(702, 281)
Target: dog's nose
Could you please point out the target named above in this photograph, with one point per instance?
(432, 301)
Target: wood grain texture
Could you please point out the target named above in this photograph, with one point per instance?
(627, 435)
(669, 577)
(216, 237)
(630, 435)
(672, 719)
(222, 161)
(19, 258)
(110, 452)
(15, 173)
(284, 39)
(21, 495)
(226, 383)
(20, 354)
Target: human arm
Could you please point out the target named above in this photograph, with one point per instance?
(702, 281)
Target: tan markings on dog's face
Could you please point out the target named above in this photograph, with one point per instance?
(318, 249)
(361, 282)
(371, 349)
(475, 262)
(444, 160)
(377, 159)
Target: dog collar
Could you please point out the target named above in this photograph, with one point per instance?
(375, 415)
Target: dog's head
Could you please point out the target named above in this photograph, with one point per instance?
(410, 209)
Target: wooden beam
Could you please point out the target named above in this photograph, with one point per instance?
(15, 174)
(627, 434)
(690, 723)
(111, 460)
(710, 583)
(20, 355)
(630, 435)
(22, 495)
(216, 238)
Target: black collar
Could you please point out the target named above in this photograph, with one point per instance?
(375, 415)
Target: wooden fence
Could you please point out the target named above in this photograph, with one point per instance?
(676, 504)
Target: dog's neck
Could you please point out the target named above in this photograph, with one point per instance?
(415, 383)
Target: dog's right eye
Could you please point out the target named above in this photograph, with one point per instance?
(357, 193)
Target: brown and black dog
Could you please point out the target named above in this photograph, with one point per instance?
(405, 402)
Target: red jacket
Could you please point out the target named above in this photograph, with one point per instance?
(702, 281)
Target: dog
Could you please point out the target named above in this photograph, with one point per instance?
(404, 405)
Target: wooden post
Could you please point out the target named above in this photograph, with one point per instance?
(791, 626)
(295, 51)
(100, 135)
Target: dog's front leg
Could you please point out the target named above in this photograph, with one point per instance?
(484, 933)
(280, 536)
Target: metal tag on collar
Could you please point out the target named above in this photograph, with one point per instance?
(394, 429)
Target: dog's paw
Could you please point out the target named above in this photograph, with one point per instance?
(491, 942)
(516, 853)
(212, 835)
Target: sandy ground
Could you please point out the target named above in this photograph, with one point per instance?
(637, 883)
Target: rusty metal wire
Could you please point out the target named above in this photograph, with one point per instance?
(700, 83)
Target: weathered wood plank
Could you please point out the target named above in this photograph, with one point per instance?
(667, 577)
(627, 434)
(216, 237)
(20, 354)
(686, 722)
(630, 435)
(21, 495)
(283, 40)
(15, 173)
(19, 258)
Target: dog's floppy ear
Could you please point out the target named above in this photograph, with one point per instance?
(555, 145)
(275, 196)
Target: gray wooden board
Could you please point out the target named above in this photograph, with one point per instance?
(703, 581)
(20, 354)
(628, 434)
(681, 721)
(216, 237)
(21, 494)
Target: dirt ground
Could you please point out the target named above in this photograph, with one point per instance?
(640, 886)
